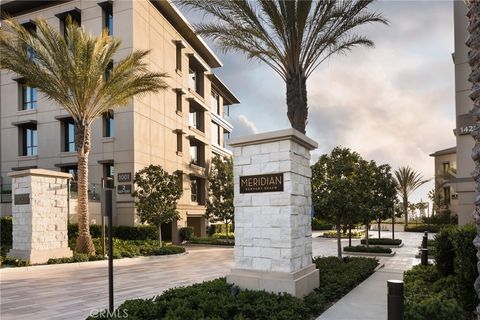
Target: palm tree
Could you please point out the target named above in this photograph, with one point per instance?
(292, 37)
(473, 43)
(408, 180)
(72, 71)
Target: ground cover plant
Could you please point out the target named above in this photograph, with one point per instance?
(382, 241)
(213, 240)
(219, 300)
(333, 234)
(370, 249)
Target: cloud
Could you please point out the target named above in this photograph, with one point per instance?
(243, 126)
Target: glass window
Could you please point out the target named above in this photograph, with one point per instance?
(446, 194)
(30, 142)
(73, 170)
(179, 142)
(179, 58)
(179, 102)
(192, 79)
(226, 110)
(194, 189)
(214, 105)
(108, 14)
(226, 137)
(192, 119)
(69, 136)
(109, 175)
(109, 124)
(29, 98)
(446, 167)
(215, 134)
(194, 154)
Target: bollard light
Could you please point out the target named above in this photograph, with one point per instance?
(395, 299)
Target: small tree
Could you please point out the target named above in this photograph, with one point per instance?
(156, 195)
(384, 194)
(333, 188)
(220, 192)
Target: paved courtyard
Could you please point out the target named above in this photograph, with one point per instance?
(72, 291)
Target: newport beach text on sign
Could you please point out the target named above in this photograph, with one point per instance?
(261, 183)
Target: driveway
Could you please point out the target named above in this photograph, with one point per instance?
(73, 291)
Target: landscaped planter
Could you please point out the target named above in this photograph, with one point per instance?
(368, 251)
(369, 254)
(387, 245)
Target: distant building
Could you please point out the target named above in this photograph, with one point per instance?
(180, 129)
(463, 182)
(445, 170)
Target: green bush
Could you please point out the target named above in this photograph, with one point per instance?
(318, 224)
(218, 300)
(424, 227)
(14, 262)
(6, 230)
(444, 253)
(140, 232)
(382, 241)
(372, 249)
(186, 233)
(211, 241)
(333, 234)
(428, 295)
(77, 257)
(231, 236)
(168, 250)
(442, 218)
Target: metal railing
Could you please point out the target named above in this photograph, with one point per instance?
(94, 190)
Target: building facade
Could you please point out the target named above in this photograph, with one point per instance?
(445, 171)
(463, 182)
(181, 128)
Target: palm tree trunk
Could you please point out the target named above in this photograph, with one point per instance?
(82, 142)
(405, 210)
(159, 235)
(297, 113)
(473, 43)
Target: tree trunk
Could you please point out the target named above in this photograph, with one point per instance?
(297, 113)
(405, 210)
(367, 225)
(160, 235)
(393, 226)
(379, 223)
(82, 142)
(339, 242)
(473, 43)
(226, 231)
(349, 235)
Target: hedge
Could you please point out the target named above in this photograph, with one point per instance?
(382, 241)
(333, 234)
(318, 224)
(217, 299)
(434, 228)
(211, 241)
(185, 233)
(372, 249)
(140, 232)
(6, 230)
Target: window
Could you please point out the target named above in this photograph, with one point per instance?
(195, 119)
(109, 175)
(446, 167)
(32, 28)
(226, 111)
(179, 101)
(179, 142)
(194, 155)
(69, 136)
(75, 15)
(194, 189)
(214, 104)
(226, 137)
(108, 124)
(108, 18)
(73, 170)
(192, 79)
(29, 98)
(215, 134)
(446, 195)
(108, 71)
(29, 141)
(195, 76)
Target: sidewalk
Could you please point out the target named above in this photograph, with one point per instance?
(369, 299)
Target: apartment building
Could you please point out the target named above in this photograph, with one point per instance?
(463, 182)
(180, 129)
(445, 173)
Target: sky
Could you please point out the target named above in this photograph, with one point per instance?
(393, 104)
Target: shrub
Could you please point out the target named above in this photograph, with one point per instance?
(141, 232)
(211, 241)
(168, 250)
(372, 249)
(424, 227)
(444, 252)
(382, 241)
(186, 233)
(442, 218)
(333, 234)
(231, 236)
(6, 230)
(77, 257)
(318, 224)
(15, 262)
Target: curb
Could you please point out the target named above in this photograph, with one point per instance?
(86, 264)
(369, 254)
(386, 245)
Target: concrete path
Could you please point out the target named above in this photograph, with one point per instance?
(369, 299)
(73, 291)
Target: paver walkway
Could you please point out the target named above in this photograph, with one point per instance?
(72, 291)
(369, 299)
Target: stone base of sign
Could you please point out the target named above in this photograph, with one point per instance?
(40, 256)
(273, 235)
(298, 284)
(39, 215)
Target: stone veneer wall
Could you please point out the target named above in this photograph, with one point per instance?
(40, 227)
(273, 230)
